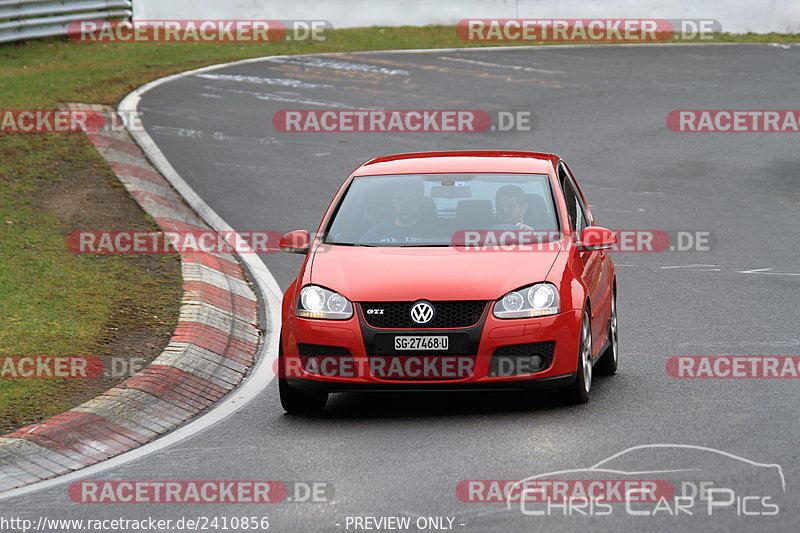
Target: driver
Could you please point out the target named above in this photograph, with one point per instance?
(407, 199)
(510, 205)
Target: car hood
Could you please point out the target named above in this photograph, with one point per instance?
(402, 274)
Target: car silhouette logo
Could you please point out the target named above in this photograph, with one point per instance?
(422, 312)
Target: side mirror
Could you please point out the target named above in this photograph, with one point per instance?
(597, 238)
(295, 242)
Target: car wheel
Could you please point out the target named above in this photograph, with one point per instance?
(296, 402)
(578, 392)
(608, 362)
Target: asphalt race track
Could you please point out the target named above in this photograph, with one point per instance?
(604, 110)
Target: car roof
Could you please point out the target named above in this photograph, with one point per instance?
(459, 161)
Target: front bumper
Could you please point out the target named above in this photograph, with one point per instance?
(541, 383)
(489, 335)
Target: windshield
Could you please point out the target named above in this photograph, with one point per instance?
(431, 209)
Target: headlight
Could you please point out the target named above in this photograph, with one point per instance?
(536, 300)
(316, 302)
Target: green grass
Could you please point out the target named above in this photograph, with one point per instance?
(49, 295)
(53, 302)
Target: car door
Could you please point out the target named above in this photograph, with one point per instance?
(592, 263)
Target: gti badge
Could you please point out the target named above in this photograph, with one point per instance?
(422, 312)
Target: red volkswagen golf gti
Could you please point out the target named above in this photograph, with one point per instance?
(450, 270)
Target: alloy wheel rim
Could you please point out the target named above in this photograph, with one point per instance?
(614, 331)
(586, 356)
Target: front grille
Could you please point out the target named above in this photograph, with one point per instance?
(448, 314)
(318, 350)
(521, 359)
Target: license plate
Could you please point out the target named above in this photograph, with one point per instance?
(422, 342)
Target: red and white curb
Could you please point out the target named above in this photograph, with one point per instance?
(211, 351)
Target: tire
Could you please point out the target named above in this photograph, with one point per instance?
(607, 365)
(296, 402)
(578, 392)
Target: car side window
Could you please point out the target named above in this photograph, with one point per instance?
(575, 208)
(569, 198)
(582, 220)
(587, 215)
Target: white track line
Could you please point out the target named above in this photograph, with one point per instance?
(261, 374)
(686, 266)
(768, 271)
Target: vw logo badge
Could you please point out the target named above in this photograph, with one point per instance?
(422, 312)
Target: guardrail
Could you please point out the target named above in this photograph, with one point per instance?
(31, 19)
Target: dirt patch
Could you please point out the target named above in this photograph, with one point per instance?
(142, 320)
